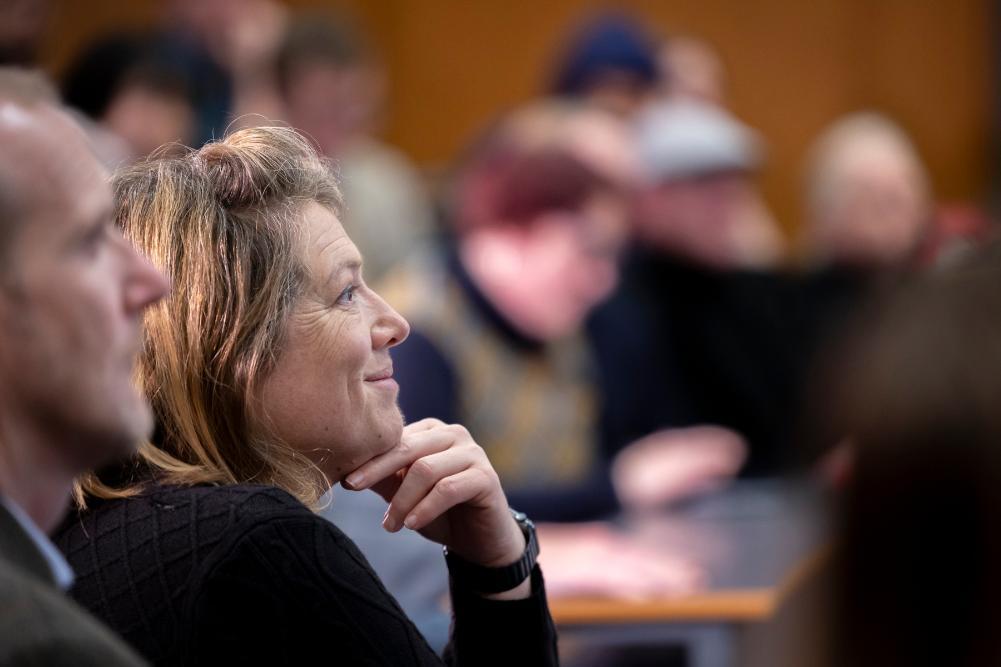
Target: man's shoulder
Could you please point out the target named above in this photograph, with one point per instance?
(39, 625)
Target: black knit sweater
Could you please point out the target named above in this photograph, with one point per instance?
(248, 575)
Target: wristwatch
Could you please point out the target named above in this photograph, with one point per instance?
(488, 580)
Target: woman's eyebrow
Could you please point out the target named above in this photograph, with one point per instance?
(352, 266)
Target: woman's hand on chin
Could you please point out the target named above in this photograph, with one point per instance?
(439, 482)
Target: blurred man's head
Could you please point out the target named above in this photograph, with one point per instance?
(330, 83)
(699, 198)
(540, 212)
(239, 35)
(609, 63)
(71, 289)
(868, 198)
(22, 27)
(691, 70)
(121, 83)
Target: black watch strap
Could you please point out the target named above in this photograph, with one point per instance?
(489, 580)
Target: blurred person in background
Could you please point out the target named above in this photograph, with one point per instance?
(615, 63)
(133, 99)
(700, 202)
(333, 89)
(868, 198)
(869, 208)
(693, 77)
(609, 62)
(691, 69)
(917, 540)
(912, 578)
(226, 50)
(538, 211)
(207, 64)
(72, 292)
(22, 28)
(699, 294)
(538, 214)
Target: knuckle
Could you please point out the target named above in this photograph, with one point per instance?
(423, 469)
(422, 424)
(485, 477)
(447, 488)
(476, 454)
(458, 431)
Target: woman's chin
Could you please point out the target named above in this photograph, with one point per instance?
(382, 437)
(390, 435)
(386, 434)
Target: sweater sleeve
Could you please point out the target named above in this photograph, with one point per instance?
(509, 632)
(299, 587)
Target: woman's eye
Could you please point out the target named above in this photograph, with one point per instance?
(347, 296)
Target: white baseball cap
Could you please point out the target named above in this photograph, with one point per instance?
(685, 138)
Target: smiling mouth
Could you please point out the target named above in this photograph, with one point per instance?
(385, 374)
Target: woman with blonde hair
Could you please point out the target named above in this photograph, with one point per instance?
(269, 373)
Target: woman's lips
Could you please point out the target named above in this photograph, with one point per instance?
(378, 376)
(383, 378)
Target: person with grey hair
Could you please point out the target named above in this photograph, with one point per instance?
(868, 214)
(71, 293)
(868, 198)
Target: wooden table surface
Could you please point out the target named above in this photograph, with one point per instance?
(755, 541)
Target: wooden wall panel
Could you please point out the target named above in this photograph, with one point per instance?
(794, 67)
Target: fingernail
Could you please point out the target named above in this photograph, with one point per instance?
(410, 521)
(388, 523)
(355, 479)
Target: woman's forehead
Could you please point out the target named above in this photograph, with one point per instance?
(329, 246)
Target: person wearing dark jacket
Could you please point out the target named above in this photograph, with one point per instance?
(71, 292)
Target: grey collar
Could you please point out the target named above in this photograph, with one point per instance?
(61, 574)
